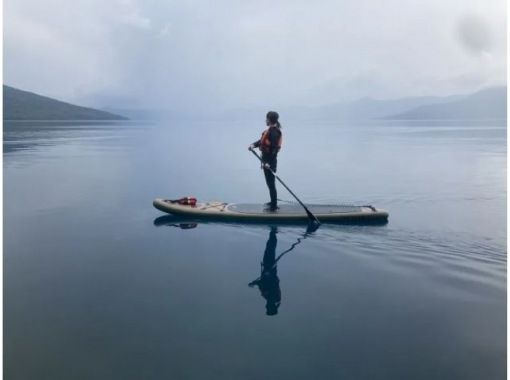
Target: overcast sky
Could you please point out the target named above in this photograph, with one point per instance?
(223, 54)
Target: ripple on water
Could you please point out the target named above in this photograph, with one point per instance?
(452, 262)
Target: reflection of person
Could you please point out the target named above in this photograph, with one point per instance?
(270, 144)
(268, 282)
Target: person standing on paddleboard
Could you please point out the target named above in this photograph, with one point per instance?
(270, 144)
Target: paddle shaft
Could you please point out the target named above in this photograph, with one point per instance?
(308, 212)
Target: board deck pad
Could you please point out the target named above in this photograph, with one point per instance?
(292, 209)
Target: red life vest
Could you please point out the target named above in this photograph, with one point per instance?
(265, 142)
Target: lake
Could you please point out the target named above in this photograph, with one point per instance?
(98, 286)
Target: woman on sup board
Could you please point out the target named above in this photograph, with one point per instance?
(270, 144)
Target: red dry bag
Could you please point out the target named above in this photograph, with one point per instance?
(188, 201)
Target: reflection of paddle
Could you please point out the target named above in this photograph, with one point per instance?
(311, 216)
(311, 229)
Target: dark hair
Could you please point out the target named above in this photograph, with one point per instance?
(273, 116)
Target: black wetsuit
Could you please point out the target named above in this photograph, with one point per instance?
(270, 159)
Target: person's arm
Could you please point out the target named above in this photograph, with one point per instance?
(256, 144)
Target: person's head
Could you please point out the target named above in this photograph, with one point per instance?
(272, 119)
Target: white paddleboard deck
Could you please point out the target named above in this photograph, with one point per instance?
(258, 212)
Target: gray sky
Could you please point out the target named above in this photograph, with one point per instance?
(222, 54)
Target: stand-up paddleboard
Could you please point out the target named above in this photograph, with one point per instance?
(287, 212)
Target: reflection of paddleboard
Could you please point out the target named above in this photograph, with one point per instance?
(287, 212)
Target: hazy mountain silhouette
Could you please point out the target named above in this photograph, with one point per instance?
(485, 104)
(489, 103)
(369, 108)
(24, 105)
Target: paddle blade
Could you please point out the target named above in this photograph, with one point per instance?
(313, 225)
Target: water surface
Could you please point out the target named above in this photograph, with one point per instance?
(97, 288)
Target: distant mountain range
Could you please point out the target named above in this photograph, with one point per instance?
(369, 108)
(24, 105)
(486, 104)
(489, 103)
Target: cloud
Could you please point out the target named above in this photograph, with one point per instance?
(165, 30)
(199, 55)
(475, 35)
(130, 14)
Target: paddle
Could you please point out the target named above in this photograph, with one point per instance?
(311, 216)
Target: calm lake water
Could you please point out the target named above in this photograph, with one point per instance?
(98, 286)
